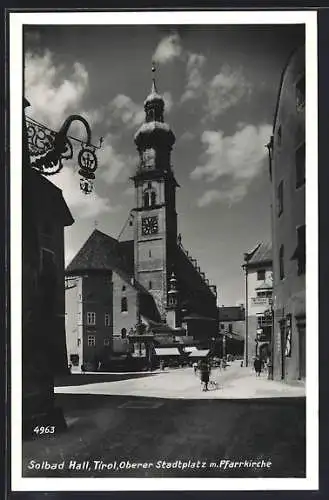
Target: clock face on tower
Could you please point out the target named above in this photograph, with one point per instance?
(150, 225)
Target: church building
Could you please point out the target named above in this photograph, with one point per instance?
(143, 289)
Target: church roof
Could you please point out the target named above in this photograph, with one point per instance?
(99, 253)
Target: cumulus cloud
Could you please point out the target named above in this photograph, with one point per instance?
(225, 90)
(229, 196)
(169, 48)
(187, 136)
(123, 108)
(114, 167)
(53, 91)
(168, 100)
(235, 159)
(195, 81)
(81, 205)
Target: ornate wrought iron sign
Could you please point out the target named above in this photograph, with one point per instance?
(48, 150)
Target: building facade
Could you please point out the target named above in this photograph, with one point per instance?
(287, 173)
(231, 329)
(156, 292)
(259, 286)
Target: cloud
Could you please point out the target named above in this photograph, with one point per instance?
(169, 48)
(187, 136)
(168, 100)
(114, 167)
(236, 160)
(230, 196)
(130, 191)
(225, 90)
(81, 205)
(122, 108)
(53, 91)
(195, 80)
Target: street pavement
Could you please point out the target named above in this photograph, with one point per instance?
(234, 382)
(109, 425)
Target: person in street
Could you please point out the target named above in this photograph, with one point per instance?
(83, 368)
(204, 370)
(258, 366)
(195, 367)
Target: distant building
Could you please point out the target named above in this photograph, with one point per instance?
(142, 289)
(231, 321)
(287, 173)
(258, 269)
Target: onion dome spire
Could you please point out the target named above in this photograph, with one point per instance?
(154, 138)
(154, 103)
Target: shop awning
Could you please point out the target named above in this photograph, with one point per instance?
(200, 353)
(167, 351)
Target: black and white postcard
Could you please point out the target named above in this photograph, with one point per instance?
(163, 183)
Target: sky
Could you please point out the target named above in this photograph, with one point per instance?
(220, 85)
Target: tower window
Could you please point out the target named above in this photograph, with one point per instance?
(149, 185)
(107, 319)
(300, 166)
(124, 304)
(230, 326)
(281, 262)
(123, 333)
(150, 285)
(123, 288)
(153, 199)
(146, 200)
(150, 253)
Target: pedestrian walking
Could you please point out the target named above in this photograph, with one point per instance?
(83, 369)
(195, 367)
(204, 370)
(258, 366)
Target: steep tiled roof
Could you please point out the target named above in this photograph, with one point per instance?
(262, 253)
(99, 253)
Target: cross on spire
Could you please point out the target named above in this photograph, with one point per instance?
(154, 87)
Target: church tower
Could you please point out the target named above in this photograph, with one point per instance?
(155, 225)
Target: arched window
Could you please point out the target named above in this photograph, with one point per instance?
(153, 198)
(123, 333)
(146, 199)
(123, 287)
(124, 304)
(281, 262)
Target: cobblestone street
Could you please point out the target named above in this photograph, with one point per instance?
(166, 417)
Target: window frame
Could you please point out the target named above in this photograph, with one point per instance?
(124, 304)
(281, 262)
(301, 245)
(300, 182)
(258, 273)
(107, 319)
(279, 197)
(93, 342)
(93, 315)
